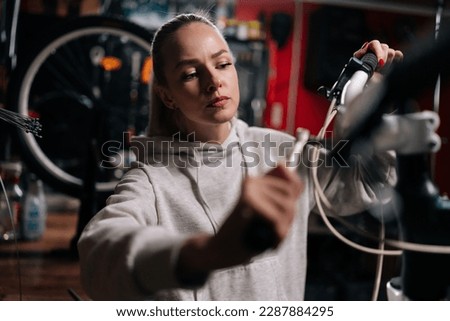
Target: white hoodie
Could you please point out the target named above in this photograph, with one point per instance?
(179, 188)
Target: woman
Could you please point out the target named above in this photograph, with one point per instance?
(179, 224)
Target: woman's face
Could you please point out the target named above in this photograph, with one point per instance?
(201, 78)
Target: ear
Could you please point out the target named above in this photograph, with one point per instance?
(165, 96)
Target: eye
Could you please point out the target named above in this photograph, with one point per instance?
(224, 65)
(189, 76)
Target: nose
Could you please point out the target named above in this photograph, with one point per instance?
(213, 83)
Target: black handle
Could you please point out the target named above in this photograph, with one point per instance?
(259, 235)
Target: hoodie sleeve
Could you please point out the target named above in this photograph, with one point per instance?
(124, 254)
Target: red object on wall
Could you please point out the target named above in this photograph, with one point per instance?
(275, 115)
(310, 108)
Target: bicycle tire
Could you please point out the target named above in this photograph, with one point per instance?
(62, 60)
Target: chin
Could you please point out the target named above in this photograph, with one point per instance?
(225, 116)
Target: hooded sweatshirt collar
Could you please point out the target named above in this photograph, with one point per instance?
(163, 148)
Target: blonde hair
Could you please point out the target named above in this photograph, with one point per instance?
(163, 120)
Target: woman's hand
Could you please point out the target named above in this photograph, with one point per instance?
(268, 203)
(270, 198)
(385, 55)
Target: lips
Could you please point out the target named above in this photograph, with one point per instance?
(218, 102)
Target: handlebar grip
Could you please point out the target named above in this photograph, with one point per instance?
(370, 61)
(259, 235)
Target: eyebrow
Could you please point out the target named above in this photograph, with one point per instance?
(193, 61)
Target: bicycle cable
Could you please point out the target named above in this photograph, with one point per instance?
(320, 197)
(26, 123)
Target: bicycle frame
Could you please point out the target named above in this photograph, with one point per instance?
(8, 31)
(424, 215)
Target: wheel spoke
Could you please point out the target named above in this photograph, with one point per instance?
(66, 75)
(64, 82)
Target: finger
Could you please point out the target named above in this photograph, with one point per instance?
(290, 177)
(276, 206)
(275, 212)
(271, 203)
(379, 49)
(281, 221)
(390, 56)
(373, 46)
(382, 51)
(393, 56)
(270, 185)
(398, 56)
(361, 51)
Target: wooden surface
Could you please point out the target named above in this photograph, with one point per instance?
(47, 268)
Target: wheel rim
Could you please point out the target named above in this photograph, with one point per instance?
(23, 99)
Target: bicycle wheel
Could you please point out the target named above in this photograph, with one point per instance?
(88, 82)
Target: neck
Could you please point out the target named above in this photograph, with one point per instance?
(216, 134)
